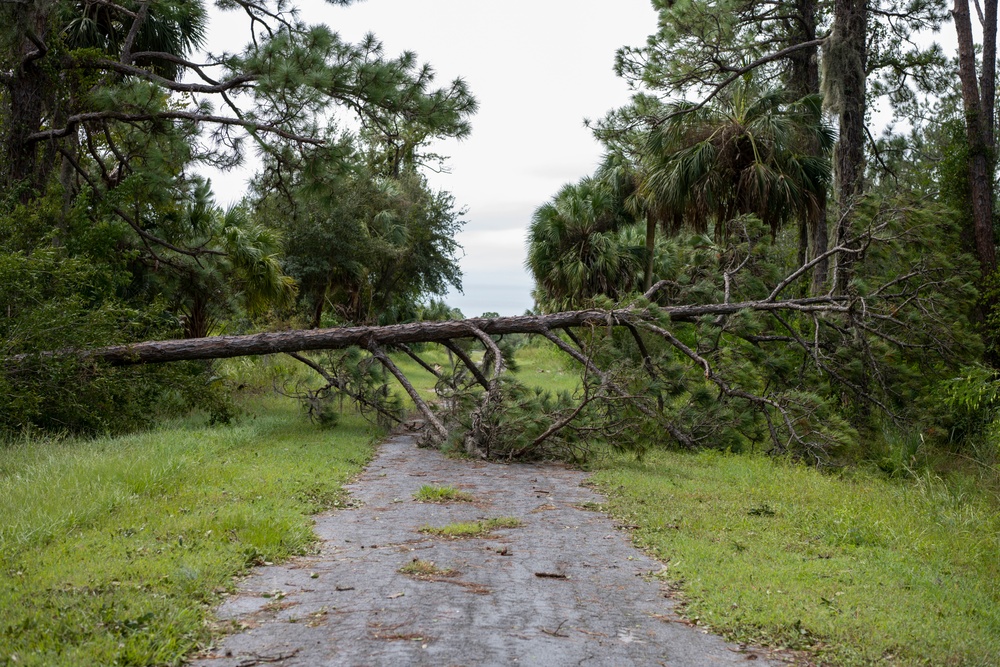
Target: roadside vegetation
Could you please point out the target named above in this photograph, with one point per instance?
(853, 566)
(114, 550)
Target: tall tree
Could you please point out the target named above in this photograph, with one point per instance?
(979, 101)
(705, 46)
(846, 92)
(76, 72)
(366, 245)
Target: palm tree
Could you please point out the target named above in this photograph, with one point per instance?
(579, 247)
(624, 178)
(171, 28)
(245, 277)
(751, 152)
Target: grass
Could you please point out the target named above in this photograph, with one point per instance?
(542, 365)
(442, 494)
(858, 569)
(420, 568)
(472, 528)
(113, 550)
(539, 365)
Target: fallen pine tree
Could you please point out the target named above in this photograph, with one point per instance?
(775, 369)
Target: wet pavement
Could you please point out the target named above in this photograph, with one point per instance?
(564, 588)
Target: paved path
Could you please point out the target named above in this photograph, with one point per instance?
(565, 588)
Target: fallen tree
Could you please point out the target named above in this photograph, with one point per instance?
(648, 367)
(223, 347)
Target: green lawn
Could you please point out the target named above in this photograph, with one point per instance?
(112, 551)
(861, 569)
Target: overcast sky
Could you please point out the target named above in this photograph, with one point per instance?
(538, 68)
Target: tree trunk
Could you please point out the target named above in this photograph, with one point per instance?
(647, 281)
(804, 79)
(979, 118)
(25, 100)
(820, 244)
(224, 347)
(849, 59)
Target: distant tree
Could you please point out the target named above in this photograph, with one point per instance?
(245, 279)
(579, 246)
(745, 152)
(366, 247)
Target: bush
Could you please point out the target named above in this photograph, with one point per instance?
(52, 302)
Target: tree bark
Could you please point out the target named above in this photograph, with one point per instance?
(25, 101)
(803, 80)
(979, 118)
(804, 72)
(849, 57)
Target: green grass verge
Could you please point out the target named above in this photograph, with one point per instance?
(859, 569)
(472, 528)
(112, 551)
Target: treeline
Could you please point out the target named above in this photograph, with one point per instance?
(745, 171)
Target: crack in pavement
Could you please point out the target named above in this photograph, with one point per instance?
(563, 588)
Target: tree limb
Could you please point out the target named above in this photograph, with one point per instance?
(71, 123)
(469, 363)
(418, 400)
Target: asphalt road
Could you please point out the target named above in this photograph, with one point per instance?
(564, 588)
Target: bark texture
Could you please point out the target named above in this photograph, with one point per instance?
(847, 66)
(978, 103)
(224, 347)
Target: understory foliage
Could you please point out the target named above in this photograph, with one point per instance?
(77, 296)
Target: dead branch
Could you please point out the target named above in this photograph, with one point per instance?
(418, 401)
(469, 363)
